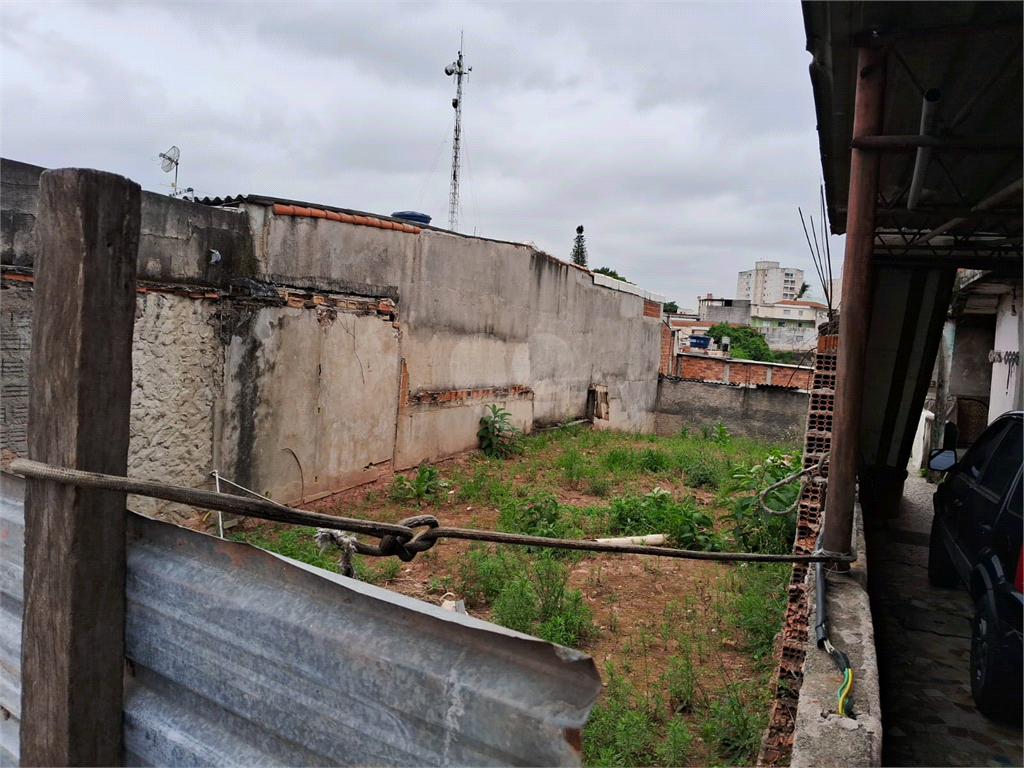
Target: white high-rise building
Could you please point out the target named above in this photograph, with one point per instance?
(768, 283)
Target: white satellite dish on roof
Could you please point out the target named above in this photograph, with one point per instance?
(169, 160)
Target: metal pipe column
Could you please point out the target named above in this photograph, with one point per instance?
(837, 527)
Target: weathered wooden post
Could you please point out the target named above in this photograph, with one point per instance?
(80, 382)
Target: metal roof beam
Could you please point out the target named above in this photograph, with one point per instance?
(968, 144)
(988, 203)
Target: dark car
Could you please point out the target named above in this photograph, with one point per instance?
(976, 541)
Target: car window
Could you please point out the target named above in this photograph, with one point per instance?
(974, 460)
(1005, 462)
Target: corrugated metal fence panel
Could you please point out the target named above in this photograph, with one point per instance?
(242, 657)
(12, 561)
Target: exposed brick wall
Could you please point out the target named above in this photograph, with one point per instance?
(665, 366)
(652, 309)
(743, 372)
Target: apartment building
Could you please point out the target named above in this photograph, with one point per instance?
(768, 283)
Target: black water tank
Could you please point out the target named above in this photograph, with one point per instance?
(414, 216)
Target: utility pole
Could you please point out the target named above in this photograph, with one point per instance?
(456, 68)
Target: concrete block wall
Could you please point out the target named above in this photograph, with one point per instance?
(772, 414)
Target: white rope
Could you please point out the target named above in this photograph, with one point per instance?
(347, 544)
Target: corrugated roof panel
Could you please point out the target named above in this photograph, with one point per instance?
(243, 657)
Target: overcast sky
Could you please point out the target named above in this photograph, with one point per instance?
(681, 135)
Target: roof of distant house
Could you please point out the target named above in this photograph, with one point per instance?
(815, 304)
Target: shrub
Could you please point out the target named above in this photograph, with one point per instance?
(657, 512)
(498, 436)
(756, 529)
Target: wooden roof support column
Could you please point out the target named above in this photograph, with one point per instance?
(837, 527)
(80, 385)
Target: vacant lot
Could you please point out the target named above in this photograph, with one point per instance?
(685, 647)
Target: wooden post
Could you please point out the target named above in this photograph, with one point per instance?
(80, 382)
(837, 527)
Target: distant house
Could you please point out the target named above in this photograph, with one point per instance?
(789, 324)
(719, 310)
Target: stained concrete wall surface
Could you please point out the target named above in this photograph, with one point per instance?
(479, 314)
(769, 413)
(310, 400)
(177, 375)
(301, 400)
(177, 370)
(1007, 383)
(971, 371)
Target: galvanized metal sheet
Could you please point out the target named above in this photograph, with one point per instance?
(12, 559)
(239, 656)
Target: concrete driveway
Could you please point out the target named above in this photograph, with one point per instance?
(923, 637)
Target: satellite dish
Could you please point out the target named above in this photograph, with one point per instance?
(169, 159)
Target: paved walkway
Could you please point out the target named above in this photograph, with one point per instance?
(923, 636)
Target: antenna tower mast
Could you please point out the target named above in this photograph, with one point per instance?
(456, 68)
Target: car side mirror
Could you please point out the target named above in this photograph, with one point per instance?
(942, 459)
(950, 435)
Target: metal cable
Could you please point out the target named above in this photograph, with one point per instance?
(816, 470)
(399, 539)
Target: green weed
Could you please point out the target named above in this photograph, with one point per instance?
(425, 485)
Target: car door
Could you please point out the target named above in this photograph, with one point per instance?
(962, 499)
(983, 506)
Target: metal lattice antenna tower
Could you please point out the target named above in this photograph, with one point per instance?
(456, 68)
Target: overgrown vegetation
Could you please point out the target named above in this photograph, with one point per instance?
(687, 681)
(745, 343)
(498, 435)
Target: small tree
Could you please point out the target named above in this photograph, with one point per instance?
(611, 273)
(579, 248)
(670, 307)
(804, 288)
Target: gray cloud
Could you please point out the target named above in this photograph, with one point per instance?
(682, 135)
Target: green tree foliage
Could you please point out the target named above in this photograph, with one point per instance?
(804, 288)
(745, 343)
(612, 274)
(670, 306)
(579, 248)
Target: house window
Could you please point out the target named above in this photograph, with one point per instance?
(782, 323)
(785, 311)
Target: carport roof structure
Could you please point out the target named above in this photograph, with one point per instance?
(919, 109)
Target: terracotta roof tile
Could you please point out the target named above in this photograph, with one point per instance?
(282, 209)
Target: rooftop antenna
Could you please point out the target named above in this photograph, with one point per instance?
(169, 161)
(456, 68)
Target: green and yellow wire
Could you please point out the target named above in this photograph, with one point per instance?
(844, 665)
(844, 690)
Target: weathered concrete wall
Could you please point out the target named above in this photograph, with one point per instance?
(177, 371)
(479, 314)
(309, 401)
(176, 238)
(308, 398)
(15, 346)
(971, 372)
(771, 413)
